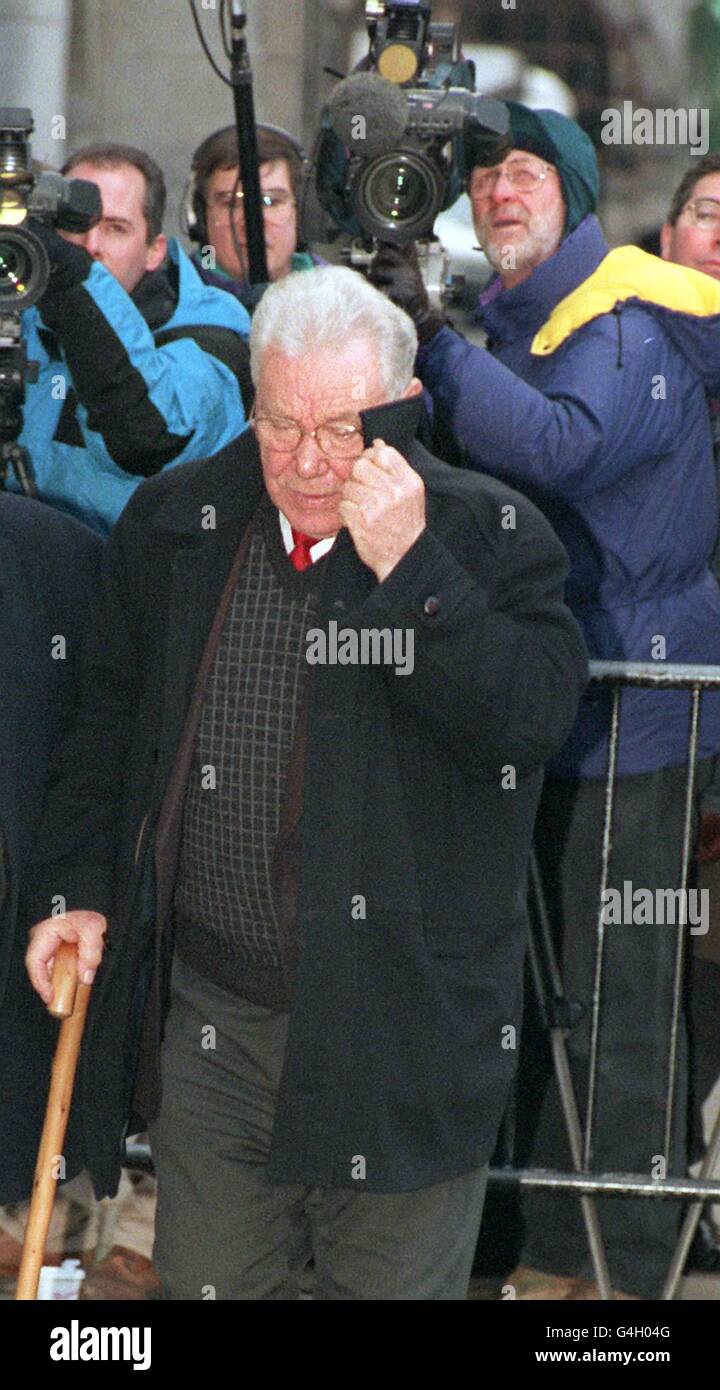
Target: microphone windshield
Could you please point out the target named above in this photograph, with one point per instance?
(368, 114)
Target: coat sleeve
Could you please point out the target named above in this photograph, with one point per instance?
(143, 406)
(620, 402)
(498, 667)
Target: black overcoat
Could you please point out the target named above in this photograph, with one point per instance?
(48, 569)
(419, 797)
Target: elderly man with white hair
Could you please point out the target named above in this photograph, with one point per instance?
(296, 810)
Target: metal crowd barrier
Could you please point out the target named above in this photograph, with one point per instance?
(586, 1183)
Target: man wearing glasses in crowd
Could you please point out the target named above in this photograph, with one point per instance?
(607, 431)
(350, 1099)
(691, 234)
(215, 213)
(691, 237)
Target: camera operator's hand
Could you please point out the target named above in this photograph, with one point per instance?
(395, 270)
(70, 264)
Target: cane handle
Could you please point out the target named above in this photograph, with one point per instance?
(64, 979)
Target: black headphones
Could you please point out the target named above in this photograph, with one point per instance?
(193, 214)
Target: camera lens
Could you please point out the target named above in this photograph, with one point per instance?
(24, 269)
(15, 268)
(398, 196)
(398, 192)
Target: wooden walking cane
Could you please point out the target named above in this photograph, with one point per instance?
(70, 1003)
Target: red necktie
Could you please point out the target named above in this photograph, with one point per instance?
(300, 555)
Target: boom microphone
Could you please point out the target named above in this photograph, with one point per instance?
(368, 114)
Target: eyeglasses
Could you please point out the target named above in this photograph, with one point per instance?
(277, 205)
(525, 177)
(334, 438)
(704, 213)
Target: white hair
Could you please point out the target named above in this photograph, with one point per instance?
(326, 309)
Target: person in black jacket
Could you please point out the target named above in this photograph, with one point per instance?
(48, 565)
(326, 673)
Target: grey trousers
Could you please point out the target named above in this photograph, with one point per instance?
(225, 1232)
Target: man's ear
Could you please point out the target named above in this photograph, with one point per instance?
(665, 238)
(156, 252)
(413, 389)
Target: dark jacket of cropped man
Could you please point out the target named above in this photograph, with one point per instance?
(419, 796)
(48, 568)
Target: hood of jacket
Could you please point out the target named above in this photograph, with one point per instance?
(175, 296)
(687, 303)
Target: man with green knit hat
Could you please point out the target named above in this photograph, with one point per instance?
(562, 142)
(548, 185)
(604, 425)
(561, 161)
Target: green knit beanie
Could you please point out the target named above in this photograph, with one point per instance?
(561, 142)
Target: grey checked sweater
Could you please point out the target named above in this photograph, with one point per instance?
(226, 921)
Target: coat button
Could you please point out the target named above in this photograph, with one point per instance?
(431, 606)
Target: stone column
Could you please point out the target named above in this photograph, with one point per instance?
(34, 37)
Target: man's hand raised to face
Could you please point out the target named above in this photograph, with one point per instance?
(383, 507)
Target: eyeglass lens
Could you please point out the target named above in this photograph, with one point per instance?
(524, 177)
(336, 440)
(276, 205)
(705, 212)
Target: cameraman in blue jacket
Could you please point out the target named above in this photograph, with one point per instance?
(608, 432)
(139, 361)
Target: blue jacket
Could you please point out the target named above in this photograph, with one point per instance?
(610, 436)
(125, 392)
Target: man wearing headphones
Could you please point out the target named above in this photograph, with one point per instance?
(215, 210)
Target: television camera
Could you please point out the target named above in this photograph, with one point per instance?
(70, 205)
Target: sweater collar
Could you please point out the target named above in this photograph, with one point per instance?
(507, 314)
